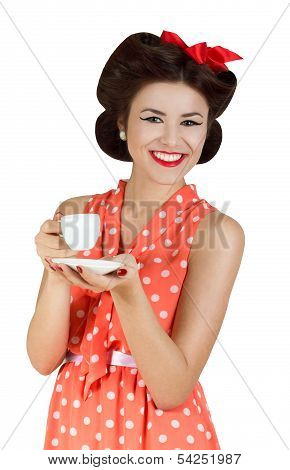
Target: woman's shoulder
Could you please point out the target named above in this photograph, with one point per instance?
(74, 205)
(218, 231)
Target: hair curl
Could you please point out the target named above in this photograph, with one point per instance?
(141, 59)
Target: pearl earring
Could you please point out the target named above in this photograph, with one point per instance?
(123, 135)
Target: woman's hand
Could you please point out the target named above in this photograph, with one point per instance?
(88, 279)
(50, 244)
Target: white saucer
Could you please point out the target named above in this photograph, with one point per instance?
(97, 265)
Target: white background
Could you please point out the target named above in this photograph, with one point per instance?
(52, 54)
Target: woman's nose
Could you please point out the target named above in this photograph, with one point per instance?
(170, 137)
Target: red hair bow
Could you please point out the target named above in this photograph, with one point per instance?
(214, 57)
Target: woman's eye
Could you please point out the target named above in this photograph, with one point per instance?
(155, 117)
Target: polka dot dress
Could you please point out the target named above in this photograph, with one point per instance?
(95, 405)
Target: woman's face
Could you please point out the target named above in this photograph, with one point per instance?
(165, 129)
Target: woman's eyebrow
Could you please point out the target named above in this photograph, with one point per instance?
(163, 114)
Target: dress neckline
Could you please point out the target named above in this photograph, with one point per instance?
(181, 196)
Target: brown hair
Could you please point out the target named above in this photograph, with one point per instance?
(141, 59)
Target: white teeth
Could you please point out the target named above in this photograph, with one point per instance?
(166, 157)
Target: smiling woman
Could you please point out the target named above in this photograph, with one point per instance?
(138, 343)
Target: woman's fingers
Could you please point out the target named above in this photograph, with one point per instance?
(104, 282)
(75, 278)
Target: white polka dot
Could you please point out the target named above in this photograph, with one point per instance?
(189, 240)
(129, 424)
(141, 383)
(109, 423)
(199, 409)
(162, 438)
(142, 410)
(186, 411)
(54, 442)
(199, 394)
(112, 231)
(114, 210)
(67, 374)
(56, 414)
(99, 408)
(175, 423)
(190, 439)
(98, 436)
(96, 330)
(152, 246)
(178, 220)
(146, 280)
(94, 358)
(183, 263)
(87, 253)
(121, 439)
(89, 337)
(73, 431)
(62, 429)
(195, 219)
(167, 242)
(76, 403)
(64, 401)
(85, 447)
(80, 313)
(130, 396)
(75, 339)
(174, 253)
(157, 260)
(155, 297)
(87, 420)
(162, 214)
(146, 233)
(165, 273)
(162, 230)
(179, 198)
(208, 435)
(200, 427)
(159, 412)
(174, 289)
(58, 388)
(149, 425)
(163, 314)
(122, 411)
(111, 395)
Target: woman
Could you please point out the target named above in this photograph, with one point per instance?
(137, 340)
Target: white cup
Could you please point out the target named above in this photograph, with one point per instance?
(80, 231)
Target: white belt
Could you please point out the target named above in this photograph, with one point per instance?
(114, 357)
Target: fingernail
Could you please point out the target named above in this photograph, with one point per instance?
(59, 268)
(79, 269)
(122, 272)
(47, 260)
(52, 267)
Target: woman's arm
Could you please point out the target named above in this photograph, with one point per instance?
(171, 366)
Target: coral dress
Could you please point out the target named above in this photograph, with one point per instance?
(97, 405)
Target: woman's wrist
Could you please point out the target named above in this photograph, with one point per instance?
(128, 287)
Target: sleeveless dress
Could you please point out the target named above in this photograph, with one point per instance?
(96, 405)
